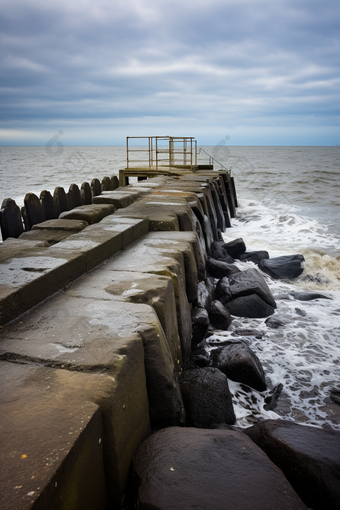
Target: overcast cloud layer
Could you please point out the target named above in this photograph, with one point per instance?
(260, 71)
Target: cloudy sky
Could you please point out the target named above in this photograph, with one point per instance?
(262, 72)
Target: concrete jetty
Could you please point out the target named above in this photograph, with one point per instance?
(96, 329)
(95, 315)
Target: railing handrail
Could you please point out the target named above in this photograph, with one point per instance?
(212, 158)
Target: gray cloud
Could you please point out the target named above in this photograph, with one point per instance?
(215, 65)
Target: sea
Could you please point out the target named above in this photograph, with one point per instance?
(288, 203)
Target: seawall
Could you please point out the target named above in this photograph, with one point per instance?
(95, 315)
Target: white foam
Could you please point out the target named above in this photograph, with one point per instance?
(303, 354)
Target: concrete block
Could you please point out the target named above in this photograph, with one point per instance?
(95, 244)
(58, 224)
(104, 353)
(51, 442)
(160, 218)
(28, 279)
(86, 334)
(131, 229)
(120, 198)
(148, 259)
(13, 247)
(136, 287)
(92, 213)
(48, 236)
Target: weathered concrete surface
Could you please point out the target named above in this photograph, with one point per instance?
(209, 470)
(148, 256)
(49, 236)
(59, 224)
(121, 197)
(13, 247)
(98, 327)
(135, 287)
(42, 399)
(29, 279)
(51, 442)
(31, 276)
(92, 213)
(159, 218)
(54, 231)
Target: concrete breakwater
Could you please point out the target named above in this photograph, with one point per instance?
(96, 329)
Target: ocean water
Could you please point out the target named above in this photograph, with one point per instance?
(289, 202)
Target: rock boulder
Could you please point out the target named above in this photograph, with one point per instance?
(206, 397)
(239, 363)
(309, 458)
(287, 266)
(179, 468)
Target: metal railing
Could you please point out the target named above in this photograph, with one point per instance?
(211, 159)
(161, 151)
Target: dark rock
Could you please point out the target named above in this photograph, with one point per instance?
(335, 395)
(254, 256)
(200, 323)
(200, 357)
(10, 219)
(287, 266)
(60, 200)
(205, 293)
(218, 252)
(307, 296)
(219, 316)
(248, 332)
(181, 468)
(239, 363)
(300, 312)
(235, 248)
(47, 205)
(96, 187)
(251, 282)
(250, 306)
(218, 268)
(86, 194)
(274, 322)
(273, 397)
(34, 210)
(309, 458)
(222, 290)
(206, 397)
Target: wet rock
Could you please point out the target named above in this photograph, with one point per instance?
(273, 397)
(309, 458)
(254, 256)
(251, 282)
(222, 290)
(250, 306)
(239, 363)
(235, 248)
(287, 266)
(335, 395)
(206, 397)
(307, 296)
(204, 469)
(200, 323)
(219, 316)
(218, 252)
(248, 332)
(199, 358)
(274, 322)
(205, 293)
(218, 268)
(300, 312)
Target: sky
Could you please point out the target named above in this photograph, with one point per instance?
(253, 72)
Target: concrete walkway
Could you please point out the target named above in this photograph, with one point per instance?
(95, 327)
